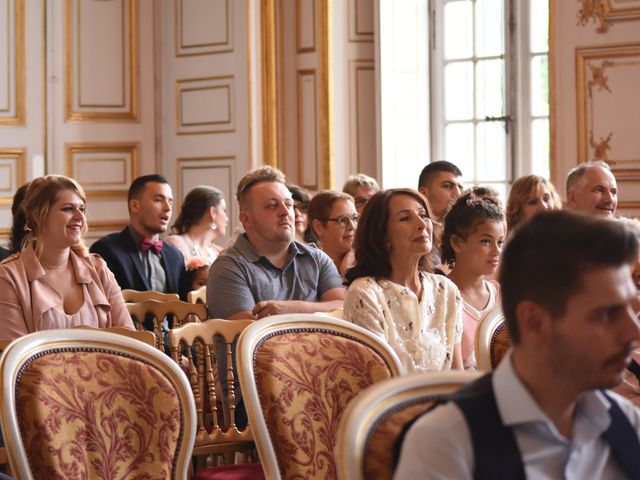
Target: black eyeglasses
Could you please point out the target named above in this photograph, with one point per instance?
(343, 220)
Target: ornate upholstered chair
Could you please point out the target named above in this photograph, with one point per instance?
(374, 420)
(297, 375)
(492, 340)
(132, 296)
(197, 347)
(156, 311)
(93, 404)
(198, 296)
(4, 343)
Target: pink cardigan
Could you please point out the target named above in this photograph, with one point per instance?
(24, 297)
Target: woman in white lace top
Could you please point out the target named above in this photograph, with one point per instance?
(391, 292)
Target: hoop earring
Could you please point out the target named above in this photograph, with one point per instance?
(214, 226)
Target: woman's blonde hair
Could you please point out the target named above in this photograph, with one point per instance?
(41, 195)
(521, 191)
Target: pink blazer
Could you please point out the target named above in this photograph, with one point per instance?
(24, 296)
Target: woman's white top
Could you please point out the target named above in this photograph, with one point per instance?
(422, 331)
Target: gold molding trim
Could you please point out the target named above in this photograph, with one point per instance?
(111, 225)
(604, 12)
(227, 126)
(301, 165)
(356, 36)
(552, 94)
(72, 115)
(19, 117)
(592, 64)
(299, 48)
(325, 33)
(131, 149)
(269, 83)
(182, 50)
(20, 157)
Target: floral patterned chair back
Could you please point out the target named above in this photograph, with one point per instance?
(492, 340)
(155, 312)
(375, 419)
(92, 404)
(297, 374)
(199, 348)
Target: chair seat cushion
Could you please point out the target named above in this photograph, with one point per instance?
(243, 471)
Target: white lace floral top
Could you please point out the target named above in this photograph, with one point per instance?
(422, 331)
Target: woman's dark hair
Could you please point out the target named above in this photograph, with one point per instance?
(19, 218)
(470, 209)
(371, 250)
(186, 281)
(299, 194)
(194, 206)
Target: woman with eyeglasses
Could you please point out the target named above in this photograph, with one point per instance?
(333, 220)
(391, 290)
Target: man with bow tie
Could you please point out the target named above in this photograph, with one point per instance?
(136, 256)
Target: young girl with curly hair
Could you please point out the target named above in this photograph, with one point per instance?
(474, 232)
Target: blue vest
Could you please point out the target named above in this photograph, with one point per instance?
(495, 449)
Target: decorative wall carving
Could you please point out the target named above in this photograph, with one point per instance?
(604, 12)
(609, 108)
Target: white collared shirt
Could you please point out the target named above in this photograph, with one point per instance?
(439, 445)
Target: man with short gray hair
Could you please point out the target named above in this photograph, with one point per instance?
(361, 187)
(592, 189)
(267, 272)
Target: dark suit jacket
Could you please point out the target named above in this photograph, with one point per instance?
(121, 254)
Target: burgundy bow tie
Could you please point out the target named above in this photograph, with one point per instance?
(147, 244)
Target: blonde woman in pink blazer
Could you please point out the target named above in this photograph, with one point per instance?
(54, 282)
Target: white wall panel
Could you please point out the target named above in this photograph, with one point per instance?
(101, 60)
(307, 129)
(206, 105)
(203, 27)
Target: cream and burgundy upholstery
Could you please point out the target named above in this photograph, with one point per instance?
(375, 418)
(93, 404)
(217, 432)
(492, 340)
(298, 373)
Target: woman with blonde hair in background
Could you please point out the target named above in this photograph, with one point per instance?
(529, 195)
(54, 282)
(202, 220)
